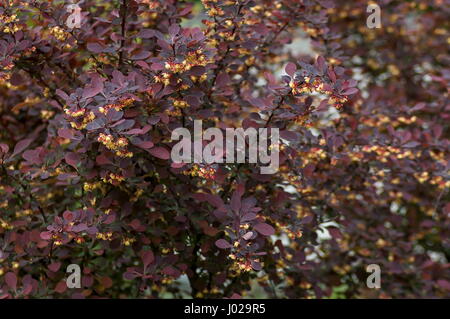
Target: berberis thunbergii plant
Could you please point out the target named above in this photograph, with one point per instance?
(86, 113)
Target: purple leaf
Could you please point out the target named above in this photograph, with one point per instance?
(123, 125)
(95, 124)
(174, 29)
(444, 284)
(138, 131)
(248, 235)
(62, 94)
(308, 219)
(142, 55)
(256, 265)
(235, 202)
(95, 87)
(46, 235)
(223, 244)
(290, 69)
(222, 79)
(147, 258)
(320, 63)
(331, 75)
(21, 146)
(11, 280)
(102, 160)
(79, 228)
(68, 216)
(171, 271)
(335, 232)
(146, 33)
(54, 266)
(72, 159)
(145, 144)
(350, 91)
(264, 229)
(248, 217)
(289, 135)
(130, 275)
(65, 133)
(159, 152)
(4, 148)
(32, 156)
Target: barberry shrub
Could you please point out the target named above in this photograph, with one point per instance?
(86, 178)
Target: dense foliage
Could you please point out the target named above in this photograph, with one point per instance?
(86, 178)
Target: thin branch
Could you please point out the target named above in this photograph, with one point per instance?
(123, 13)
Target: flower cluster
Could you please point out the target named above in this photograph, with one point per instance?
(120, 105)
(113, 178)
(119, 145)
(80, 118)
(59, 33)
(203, 171)
(8, 23)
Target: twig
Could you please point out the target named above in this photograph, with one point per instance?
(123, 13)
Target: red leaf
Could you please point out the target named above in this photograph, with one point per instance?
(61, 287)
(46, 235)
(159, 152)
(72, 159)
(27, 289)
(11, 280)
(4, 148)
(68, 216)
(177, 165)
(138, 131)
(335, 232)
(102, 160)
(145, 144)
(156, 67)
(171, 271)
(444, 284)
(106, 282)
(212, 199)
(185, 11)
(147, 258)
(54, 266)
(447, 209)
(235, 202)
(143, 65)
